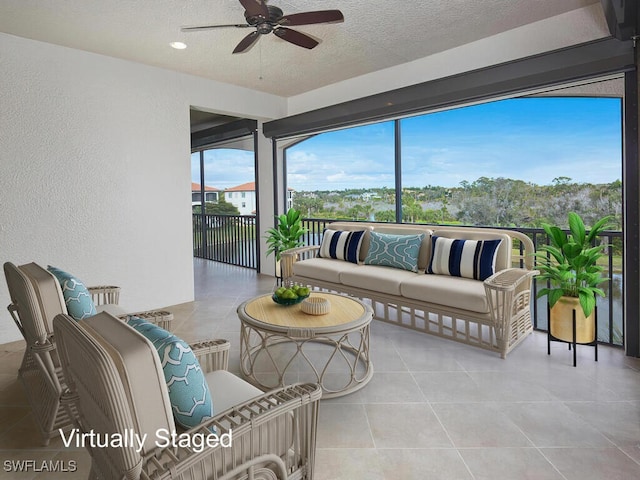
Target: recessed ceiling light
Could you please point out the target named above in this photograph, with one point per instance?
(178, 45)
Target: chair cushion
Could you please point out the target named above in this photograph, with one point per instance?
(188, 389)
(48, 294)
(140, 371)
(76, 296)
(474, 259)
(397, 251)
(341, 245)
(228, 390)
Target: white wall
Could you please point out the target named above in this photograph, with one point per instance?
(95, 168)
(577, 26)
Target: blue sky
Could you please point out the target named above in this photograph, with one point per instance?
(532, 139)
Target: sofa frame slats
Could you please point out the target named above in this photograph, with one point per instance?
(508, 294)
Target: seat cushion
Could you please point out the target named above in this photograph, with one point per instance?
(341, 245)
(188, 389)
(397, 251)
(455, 292)
(115, 310)
(76, 296)
(228, 390)
(323, 269)
(377, 279)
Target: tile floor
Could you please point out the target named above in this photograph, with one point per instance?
(433, 410)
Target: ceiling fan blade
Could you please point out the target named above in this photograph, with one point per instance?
(247, 42)
(297, 38)
(308, 18)
(211, 27)
(255, 8)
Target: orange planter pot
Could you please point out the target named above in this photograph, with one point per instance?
(561, 321)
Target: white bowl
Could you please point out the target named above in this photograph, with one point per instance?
(315, 306)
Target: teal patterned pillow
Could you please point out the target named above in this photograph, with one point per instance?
(188, 389)
(76, 296)
(398, 251)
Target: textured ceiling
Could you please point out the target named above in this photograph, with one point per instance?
(376, 34)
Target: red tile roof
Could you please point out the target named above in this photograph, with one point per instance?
(195, 187)
(245, 187)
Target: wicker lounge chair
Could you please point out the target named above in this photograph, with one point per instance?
(118, 386)
(35, 300)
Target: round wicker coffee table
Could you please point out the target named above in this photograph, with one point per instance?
(282, 344)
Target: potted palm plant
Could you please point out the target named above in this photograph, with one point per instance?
(287, 234)
(570, 264)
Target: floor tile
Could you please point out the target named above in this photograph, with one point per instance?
(406, 426)
(509, 464)
(422, 464)
(592, 463)
(479, 425)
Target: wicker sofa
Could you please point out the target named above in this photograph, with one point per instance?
(493, 314)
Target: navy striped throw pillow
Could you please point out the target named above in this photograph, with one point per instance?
(463, 258)
(341, 245)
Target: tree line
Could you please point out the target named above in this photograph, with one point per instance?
(499, 202)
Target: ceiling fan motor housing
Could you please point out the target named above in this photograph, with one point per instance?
(265, 25)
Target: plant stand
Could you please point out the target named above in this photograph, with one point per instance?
(551, 338)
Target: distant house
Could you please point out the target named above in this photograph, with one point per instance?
(210, 194)
(244, 197)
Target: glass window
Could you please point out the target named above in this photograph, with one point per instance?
(345, 174)
(223, 168)
(517, 162)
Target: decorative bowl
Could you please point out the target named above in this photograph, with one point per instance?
(288, 301)
(315, 306)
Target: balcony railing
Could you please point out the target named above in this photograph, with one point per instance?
(225, 238)
(232, 239)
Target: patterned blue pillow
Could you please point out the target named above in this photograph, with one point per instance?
(76, 296)
(188, 389)
(341, 245)
(463, 258)
(398, 251)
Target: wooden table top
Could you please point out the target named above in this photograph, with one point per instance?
(344, 310)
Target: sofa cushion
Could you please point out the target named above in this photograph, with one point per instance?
(355, 226)
(503, 256)
(397, 251)
(376, 278)
(456, 292)
(474, 259)
(76, 296)
(188, 389)
(341, 245)
(400, 229)
(323, 269)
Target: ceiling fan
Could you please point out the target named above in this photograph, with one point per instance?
(268, 18)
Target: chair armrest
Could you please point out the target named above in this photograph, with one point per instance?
(162, 318)
(292, 255)
(105, 294)
(212, 354)
(274, 431)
